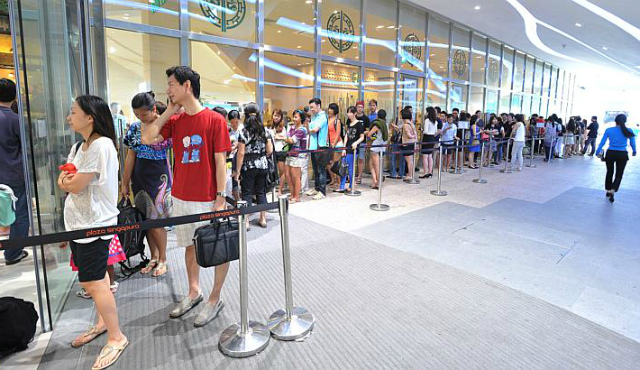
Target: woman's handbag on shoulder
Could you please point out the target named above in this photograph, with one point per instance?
(340, 168)
(217, 243)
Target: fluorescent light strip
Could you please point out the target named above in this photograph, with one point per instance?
(617, 21)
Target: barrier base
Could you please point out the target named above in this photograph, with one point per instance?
(379, 207)
(440, 193)
(459, 171)
(412, 181)
(355, 193)
(532, 166)
(300, 324)
(506, 171)
(480, 181)
(235, 344)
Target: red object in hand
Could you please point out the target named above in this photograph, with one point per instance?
(68, 167)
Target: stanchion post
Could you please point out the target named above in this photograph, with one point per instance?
(246, 338)
(379, 206)
(274, 197)
(354, 192)
(439, 192)
(533, 145)
(480, 180)
(507, 163)
(491, 165)
(457, 168)
(289, 323)
(413, 180)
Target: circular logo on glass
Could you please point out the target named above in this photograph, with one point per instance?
(412, 47)
(340, 29)
(460, 63)
(494, 71)
(224, 14)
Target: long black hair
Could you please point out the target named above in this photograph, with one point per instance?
(253, 121)
(431, 114)
(621, 121)
(99, 110)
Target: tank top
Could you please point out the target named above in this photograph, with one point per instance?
(520, 133)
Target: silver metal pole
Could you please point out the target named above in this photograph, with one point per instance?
(354, 192)
(457, 170)
(491, 165)
(379, 206)
(290, 323)
(533, 145)
(507, 164)
(246, 338)
(480, 180)
(438, 192)
(273, 198)
(413, 180)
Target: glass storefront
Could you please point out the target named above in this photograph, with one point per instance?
(279, 53)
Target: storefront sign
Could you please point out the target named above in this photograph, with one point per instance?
(224, 14)
(340, 25)
(412, 48)
(460, 63)
(157, 4)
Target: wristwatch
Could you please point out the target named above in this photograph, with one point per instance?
(220, 194)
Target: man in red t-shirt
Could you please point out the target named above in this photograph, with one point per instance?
(200, 143)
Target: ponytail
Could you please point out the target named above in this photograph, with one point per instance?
(621, 121)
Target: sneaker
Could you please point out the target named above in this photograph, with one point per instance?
(114, 287)
(83, 294)
(208, 313)
(185, 306)
(22, 256)
(318, 196)
(311, 192)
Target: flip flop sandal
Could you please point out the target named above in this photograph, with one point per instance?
(92, 334)
(162, 267)
(149, 267)
(107, 351)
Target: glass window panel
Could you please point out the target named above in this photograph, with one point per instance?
(341, 28)
(290, 29)
(410, 94)
(560, 95)
(505, 101)
(554, 82)
(381, 32)
(339, 84)
(492, 101)
(233, 18)
(460, 54)
(412, 38)
(288, 82)
(493, 75)
(437, 93)
(526, 105)
(232, 83)
(479, 58)
(518, 76)
(535, 105)
(458, 97)
(507, 68)
(379, 85)
(145, 12)
(476, 101)
(539, 74)
(528, 81)
(438, 47)
(516, 103)
(137, 62)
(546, 79)
(544, 106)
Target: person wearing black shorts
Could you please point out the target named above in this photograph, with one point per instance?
(409, 137)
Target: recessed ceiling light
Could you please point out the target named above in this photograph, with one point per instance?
(477, 7)
(279, 31)
(432, 55)
(605, 48)
(112, 49)
(391, 27)
(330, 51)
(126, 14)
(299, 47)
(299, 64)
(379, 27)
(578, 25)
(308, 2)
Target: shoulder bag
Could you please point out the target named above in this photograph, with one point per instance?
(217, 243)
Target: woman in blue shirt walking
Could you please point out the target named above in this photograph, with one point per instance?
(617, 155)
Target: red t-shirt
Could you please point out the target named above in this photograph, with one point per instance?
(195, 140)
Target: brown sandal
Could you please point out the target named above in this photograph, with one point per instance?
(90, 335)
(149, 267)
(161, 269)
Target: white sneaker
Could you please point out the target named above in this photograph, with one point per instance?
(318, 196)
(311, 192)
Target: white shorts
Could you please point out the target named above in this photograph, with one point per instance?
(296, 161)
(184, 233)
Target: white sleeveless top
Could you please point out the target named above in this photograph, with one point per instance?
(520, 133)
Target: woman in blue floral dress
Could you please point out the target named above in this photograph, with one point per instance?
(148, 171)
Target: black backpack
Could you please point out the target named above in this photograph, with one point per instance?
(132, 242)
(18, 319)
(272, 168)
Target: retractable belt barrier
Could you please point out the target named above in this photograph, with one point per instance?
(17, 243)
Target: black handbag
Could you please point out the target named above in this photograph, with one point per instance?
(217, 243)
(340, 168)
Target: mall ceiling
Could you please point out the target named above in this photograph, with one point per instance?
(573, 34)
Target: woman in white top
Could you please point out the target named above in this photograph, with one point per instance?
(518, 142)
(92, 202)
(429, 137)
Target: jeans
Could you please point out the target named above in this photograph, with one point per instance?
(548, 150)
(319, 172)
(304, 175)
(394, 156)
(516, 154)
(616, 162)
(343, 180)
(20, 228)
(254, 182)
(498, 153)
(591, 141)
